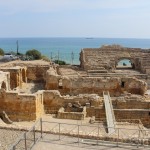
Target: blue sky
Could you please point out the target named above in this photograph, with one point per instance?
(75, 18)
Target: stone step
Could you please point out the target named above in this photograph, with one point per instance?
(116, 75)
(99, 72)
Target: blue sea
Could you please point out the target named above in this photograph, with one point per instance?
(67, 49)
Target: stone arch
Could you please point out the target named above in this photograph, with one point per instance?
(3, 85)
(132, 61)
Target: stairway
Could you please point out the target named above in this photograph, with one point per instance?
(109, 113)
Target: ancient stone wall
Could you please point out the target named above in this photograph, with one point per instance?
(76, 84)
(52, 79)
(5, 80)
(131, 104)
(53, 101)
(130, 114)
(17, 76)
(71, 115)
(33, 70)
(108, 56)
(21, 107)
(90, 85)
(98, 112)
(37, 73)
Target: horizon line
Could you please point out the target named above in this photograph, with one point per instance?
(86, 37)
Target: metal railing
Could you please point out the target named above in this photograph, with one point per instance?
(81, 133)
(29, 138)
(97, 133)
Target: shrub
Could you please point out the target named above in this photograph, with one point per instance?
(35, 54)
(45, 58)
(60, 62)
(1, 51)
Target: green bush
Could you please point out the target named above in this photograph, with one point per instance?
(60, 62)
(45, 58)
(1, 51)
(35, 54)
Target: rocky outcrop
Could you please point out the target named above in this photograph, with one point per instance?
(5, 118)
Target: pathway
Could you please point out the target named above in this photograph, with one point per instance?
(109, 113)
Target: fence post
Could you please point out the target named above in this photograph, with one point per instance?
(41, 128)
(118, 137)
(34, 133)
(98, 134)
(78, 134)
(138, 139)
(25, 141)
(59, 130)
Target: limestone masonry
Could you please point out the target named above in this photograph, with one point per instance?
(31, 88)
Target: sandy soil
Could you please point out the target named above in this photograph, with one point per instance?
(30, 88)
(52, 124)
(24, 63)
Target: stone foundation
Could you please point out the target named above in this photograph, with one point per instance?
(71, 115)
(21, 107)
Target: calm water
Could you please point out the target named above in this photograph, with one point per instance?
(67, 49)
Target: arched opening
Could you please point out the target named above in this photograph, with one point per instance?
(125, 63)
(3, 86)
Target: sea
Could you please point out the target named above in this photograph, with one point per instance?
(67, 49)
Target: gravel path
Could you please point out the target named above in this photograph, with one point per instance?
(8, 137)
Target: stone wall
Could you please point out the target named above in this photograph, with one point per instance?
(108, 57)
(143, 115)
(91, 85)
(37, 73)
(52, 79)
(74, 85)
(17, 76)
(53, 100)
(131, 104)
(5, 80)
(71, 115)
(21, 107)
(98, 112)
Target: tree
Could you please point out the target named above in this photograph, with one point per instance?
(1, 51)
(35, 54)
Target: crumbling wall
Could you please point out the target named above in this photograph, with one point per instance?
(53, 100)
(31, 70)
(71, 115)
(36, 73)
(74, 85)
(17, 76)
(131, 103)
(133, 86)
(98, 112)
(130, 114)
(108, 56)
(21, 107)
(52, 79)
(5, 80)
(90, 85)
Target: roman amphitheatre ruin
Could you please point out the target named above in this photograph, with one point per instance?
(97, 92)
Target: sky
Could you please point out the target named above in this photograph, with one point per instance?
(75, 18)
